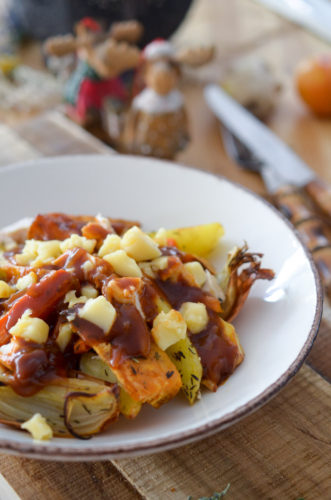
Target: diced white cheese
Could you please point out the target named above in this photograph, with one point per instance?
(46, 252)
(159, 264)
(146, 268)
(72, 299)
(168, 328)
(28, 254)
(89, 291)
(38, 428)
(64, 336)
(151, 267)
(88, 266)
(100, 312)
(33, 329)
(78, 241)
(161, 237)
(213, 287)
(197, 271)
(26, 281)
(139, 245)
(196, 316)
(110, 244)
(5, 290)
(123, 264)
(37, 253)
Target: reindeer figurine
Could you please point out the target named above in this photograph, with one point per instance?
(157, 123)
(102, 58)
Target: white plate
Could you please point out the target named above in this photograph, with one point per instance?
(276, 326)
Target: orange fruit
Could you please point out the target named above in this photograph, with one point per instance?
(313, 81)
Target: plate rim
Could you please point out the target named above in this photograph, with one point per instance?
(44, 451)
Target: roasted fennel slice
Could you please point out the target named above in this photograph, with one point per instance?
(237, 277)
(91, 364)
(72, 407)
(186, 359)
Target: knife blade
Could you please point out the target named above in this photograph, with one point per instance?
(290, 201)
(267, 146)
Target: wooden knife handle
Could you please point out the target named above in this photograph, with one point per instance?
(320, 193)
(313, 230)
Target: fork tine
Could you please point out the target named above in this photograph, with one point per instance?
(239, 152)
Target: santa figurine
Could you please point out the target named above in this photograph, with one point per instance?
(102, 58)
(157, 123)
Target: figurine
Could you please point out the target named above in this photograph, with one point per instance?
(102, 58)
(157, 124)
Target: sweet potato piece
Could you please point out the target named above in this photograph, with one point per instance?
(154, 379)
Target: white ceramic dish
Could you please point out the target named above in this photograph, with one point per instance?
(277, 325)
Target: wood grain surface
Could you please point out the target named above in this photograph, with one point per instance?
(283, 450)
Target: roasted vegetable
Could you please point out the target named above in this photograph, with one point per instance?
(75, 407)
(220, 352)
(91, 364)
(198, 240)
(186, 359)
(236, 281)
(154, 379)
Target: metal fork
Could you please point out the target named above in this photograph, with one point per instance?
(245, 158)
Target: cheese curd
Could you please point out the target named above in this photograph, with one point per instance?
(195, 315)
(139, 245)
(64, 336)
(33, 329)
(26, 281)
(100, 312)
(197, 271)
(78, 241)
(168, 328)
(123, 264)
(111, 243)
(38, 428)
(36, 253)
(5, 290)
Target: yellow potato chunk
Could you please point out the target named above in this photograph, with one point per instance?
(195, 315)
(168, 328)
(38, 428)
(198, 240)
(139, 245)
(33, 329)
(111, 243)
(26, 281)
(64, 336)
(123, 264)
(5, 290)
(197, 271)
(100, 312)
(78, 241)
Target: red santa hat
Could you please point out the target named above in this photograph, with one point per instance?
(90, 24)
(158, 49)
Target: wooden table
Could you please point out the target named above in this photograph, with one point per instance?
(283, 450)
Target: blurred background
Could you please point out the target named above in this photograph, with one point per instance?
(258, 48)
